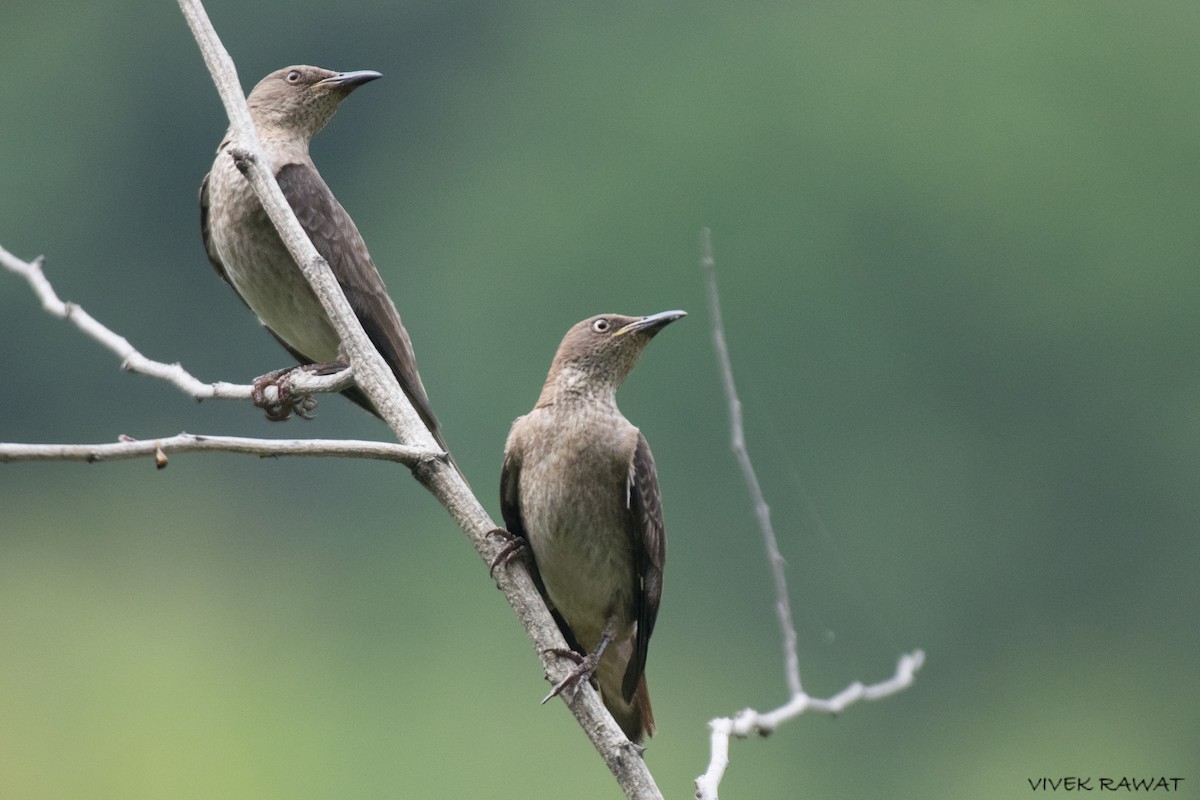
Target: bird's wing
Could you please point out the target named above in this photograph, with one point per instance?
(648, 541)
(337, 239)
(510, 493)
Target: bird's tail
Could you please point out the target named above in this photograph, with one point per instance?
(634, 715)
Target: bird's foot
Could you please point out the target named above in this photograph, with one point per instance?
(513, 546)
(273, 394)
(584, 667)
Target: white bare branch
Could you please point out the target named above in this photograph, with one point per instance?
(129, 448)
(301, 383)
(371, 372)
(783, 608)
(750, 721)
(379, 384)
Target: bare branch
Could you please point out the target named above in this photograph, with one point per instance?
(750, 721)
(128, 448)
(380, 385)
(371, 372)
(783, 609)
(132, 360)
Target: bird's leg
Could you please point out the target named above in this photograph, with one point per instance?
(584, 665)
(513, 546)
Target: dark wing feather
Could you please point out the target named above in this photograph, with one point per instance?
(648, 541)
(510, 495)
(337, 239)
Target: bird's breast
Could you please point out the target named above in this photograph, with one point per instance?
(574, 505)
(260, 269)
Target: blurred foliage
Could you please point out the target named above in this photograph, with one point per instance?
(957, 249)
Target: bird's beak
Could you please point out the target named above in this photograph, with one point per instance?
(651, 324)
(351, 80)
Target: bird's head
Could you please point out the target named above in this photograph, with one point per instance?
(299, 100)
(599, 352)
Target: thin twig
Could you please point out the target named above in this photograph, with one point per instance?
(128, 448)
(783, 609)
(750, 721)
(301, 383)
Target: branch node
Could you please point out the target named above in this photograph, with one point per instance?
(424, 468)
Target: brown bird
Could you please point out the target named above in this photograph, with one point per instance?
(288, 107)
(580, 488)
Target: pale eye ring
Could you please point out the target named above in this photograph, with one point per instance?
(293, 76)
(601, 325)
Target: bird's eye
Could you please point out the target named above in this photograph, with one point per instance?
(293, 76)
(600, 325)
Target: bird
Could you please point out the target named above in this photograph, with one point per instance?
(288, 107)
(579, 488)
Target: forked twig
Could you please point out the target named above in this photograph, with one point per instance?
(750, 721)
(132, 359)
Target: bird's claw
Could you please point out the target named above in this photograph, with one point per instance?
(584, 667)
(281, 404)
(513, 546)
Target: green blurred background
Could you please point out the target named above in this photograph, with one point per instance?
(958, 250)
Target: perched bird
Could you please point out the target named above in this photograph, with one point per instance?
(288, 107)
(579, 486)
